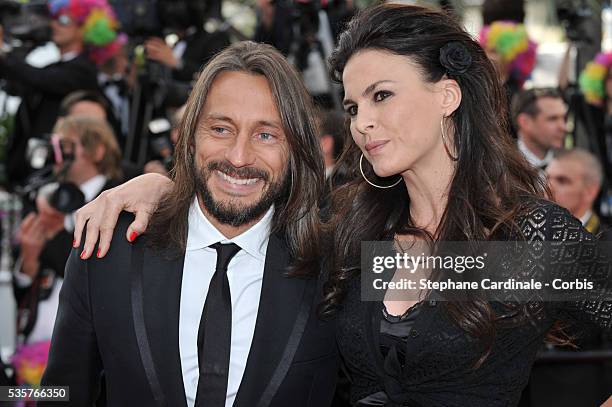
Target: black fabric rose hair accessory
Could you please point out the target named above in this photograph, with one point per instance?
(455, 58)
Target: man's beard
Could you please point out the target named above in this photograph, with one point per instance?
(232, 212)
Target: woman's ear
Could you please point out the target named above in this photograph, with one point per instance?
(451, 96)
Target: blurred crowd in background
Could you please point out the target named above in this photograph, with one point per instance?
(92, 94)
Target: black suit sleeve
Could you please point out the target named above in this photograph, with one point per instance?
(590, 261)
(74, 358)
(58, 80)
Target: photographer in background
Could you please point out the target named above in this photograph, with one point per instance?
(165, 160)
(306, 31)
(95, 105)
(276, 19)
(79, 28)
(116, 80)
(91, 159)
(195, 45)
(91, 104)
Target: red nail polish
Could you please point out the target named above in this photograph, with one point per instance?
(83, 254)
(98, 253)
(74, 243)
(133, 236)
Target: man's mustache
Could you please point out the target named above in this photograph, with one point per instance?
(243, 172)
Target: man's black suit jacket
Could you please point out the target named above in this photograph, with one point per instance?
(41, 91)
(120, 316)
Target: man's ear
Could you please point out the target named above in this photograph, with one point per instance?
(523, 120)
(451, 96)
(590, 193)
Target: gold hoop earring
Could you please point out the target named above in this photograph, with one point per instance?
(444, 140)
(370, 182)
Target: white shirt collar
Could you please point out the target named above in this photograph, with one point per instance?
(532, 158)
(92, 187)
(585, 218)
(69, 56)
(201, 233)
(104, 77)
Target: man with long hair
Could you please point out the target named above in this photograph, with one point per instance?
(204, 308)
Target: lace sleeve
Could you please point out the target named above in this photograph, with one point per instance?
(580, 256)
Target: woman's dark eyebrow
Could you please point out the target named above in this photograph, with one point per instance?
(368, 90)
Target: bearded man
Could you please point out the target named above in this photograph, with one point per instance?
(205, 308)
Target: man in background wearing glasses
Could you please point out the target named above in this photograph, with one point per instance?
(42, 89)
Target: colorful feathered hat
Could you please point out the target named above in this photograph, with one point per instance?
(102, 54)
(98, 22)
(592, 79)
(511, 42)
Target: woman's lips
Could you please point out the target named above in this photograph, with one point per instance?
(373, 146)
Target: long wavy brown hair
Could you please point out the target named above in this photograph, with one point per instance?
(492, 183)
(296, 218)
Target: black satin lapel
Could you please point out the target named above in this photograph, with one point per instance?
(284, 308)
(156, 286)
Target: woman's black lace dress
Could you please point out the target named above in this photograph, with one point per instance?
(427, 360)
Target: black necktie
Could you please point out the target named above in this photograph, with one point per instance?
(215, 333)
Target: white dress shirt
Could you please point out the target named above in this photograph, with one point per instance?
(534, 159)
(584, 219)
(119, 102)
(245, 275)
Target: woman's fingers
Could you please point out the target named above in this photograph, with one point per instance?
(99, 217)
(81, 217)
(140, 224)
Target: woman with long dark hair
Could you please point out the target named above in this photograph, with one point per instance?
(430, 161)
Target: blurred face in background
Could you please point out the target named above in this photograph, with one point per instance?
(65, 32)
(88, 108)
(548, 127)
(84, 162)
(566, 179)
